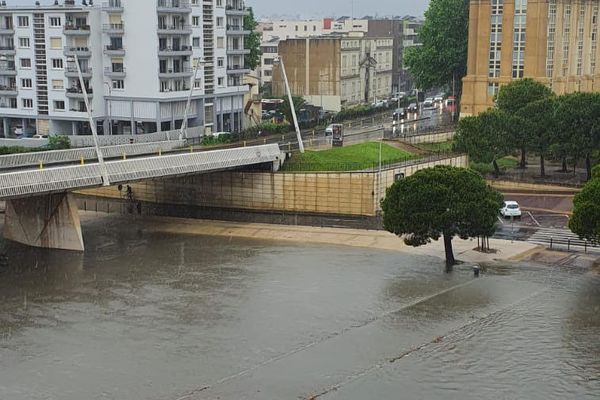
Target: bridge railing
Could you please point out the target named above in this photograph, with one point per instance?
(116, 140)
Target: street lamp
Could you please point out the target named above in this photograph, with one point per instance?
(103, 169)
(184, 123)
(110, 126)
(279, 61)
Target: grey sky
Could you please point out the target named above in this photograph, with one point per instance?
(316, 8)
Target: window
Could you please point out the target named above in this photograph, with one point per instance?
(221, 82)
(25, 62)
(220, 62)
(219, 3)
(493, 89)
(56, 43)
(24, 43)
(26, 83)
(23, 21)
(220, 43)
(198, 84)
(118, 84)
(27, 103)
(57, 63)
(58, 84)
(496, 39)
(59, 105)
(220, 22)
(196, 42)
(196, 21)
(551, 38)
(55, 21)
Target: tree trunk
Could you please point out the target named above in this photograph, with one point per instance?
(496, 168)
(523, 163)
(588, 167)
(450, 260)
(542, 166)
(564, 165)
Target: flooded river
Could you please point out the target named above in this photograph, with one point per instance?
(152, 316)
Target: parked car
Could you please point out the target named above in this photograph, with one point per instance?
(439, 99)
(413, 108)
(379, 104)
(217, 134)
(40, 137)
(510, 209)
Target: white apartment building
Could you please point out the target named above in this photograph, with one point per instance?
(137, 59)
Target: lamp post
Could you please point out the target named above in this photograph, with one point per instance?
(184, 123)
(110, 122)
(104, 171)
(279, 61)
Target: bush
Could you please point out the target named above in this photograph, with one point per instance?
(59, 142)
(265, 129)
(4, 150)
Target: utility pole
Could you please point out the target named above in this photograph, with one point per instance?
(184, 123)
(292, 107)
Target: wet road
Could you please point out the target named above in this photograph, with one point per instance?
(154, 316)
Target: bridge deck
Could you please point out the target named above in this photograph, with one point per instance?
(13, 161)
(37, 182)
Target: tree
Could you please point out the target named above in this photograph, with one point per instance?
(538, 123)
(586, 211)
(441, 202)
(578, 115)
(442, 58)
(485, 138)
(286, 111)
(252, 41)
(513, 98)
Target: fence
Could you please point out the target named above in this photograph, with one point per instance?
(27, 143)
(115, 140)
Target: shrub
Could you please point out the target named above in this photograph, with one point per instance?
(59, 142)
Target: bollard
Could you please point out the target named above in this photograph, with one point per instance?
(244, 143)
(265, 140)
(159, 152)
(289, 147)
(41, 164)
(124, 156)
(476, 271)
(550, 242)
(585, 246)
(82, 160)
(282, 138)
(191, 149)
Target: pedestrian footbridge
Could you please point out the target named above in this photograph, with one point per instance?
(41, 212)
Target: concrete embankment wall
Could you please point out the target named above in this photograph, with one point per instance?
(341, 195)
(429, 138)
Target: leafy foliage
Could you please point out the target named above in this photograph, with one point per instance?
(252, 41)
(59, 142)
(285, 109)
(514, 96)
(586, 215)
(443, 55)
(441, 201)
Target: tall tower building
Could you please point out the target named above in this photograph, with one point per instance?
(552, 41)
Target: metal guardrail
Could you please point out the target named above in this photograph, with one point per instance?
(114, 140)
(23, 160)
(38, 182)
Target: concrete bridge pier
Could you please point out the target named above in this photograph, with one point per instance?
(49, 221)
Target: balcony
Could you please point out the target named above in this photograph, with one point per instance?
(80, 52)
(174, 30)
(237, 69)
(174, 6)
(115, 72)
(239, 51)
(8, 90)
(7, 30)
(175, 51)
(76, 30)
(113, 7)
(114, 29)
(7, 50)
(71, 72)
(77, 93)
(236, 8)
(237, 30)
(176, 73)
(114, 50)
(8, 71)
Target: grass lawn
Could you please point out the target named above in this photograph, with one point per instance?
(435, 147)
(504, 163)
(349, 158)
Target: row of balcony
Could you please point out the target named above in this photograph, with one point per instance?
(84, 30)
(8, 90)
(174, 6)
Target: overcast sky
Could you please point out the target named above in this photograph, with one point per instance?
(314, 8)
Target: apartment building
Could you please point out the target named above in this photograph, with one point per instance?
(138, 61)
(336, 72)
(552, 41)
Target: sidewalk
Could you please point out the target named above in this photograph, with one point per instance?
(463, 250)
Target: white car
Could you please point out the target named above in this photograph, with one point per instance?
(40, 137)
(429, 103)
(510, 209)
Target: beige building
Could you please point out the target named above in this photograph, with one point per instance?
(336, 72)
(553, 41)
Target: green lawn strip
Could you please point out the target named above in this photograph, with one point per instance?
(504, 164)
(434, 147)
(350, 158)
